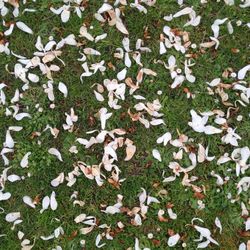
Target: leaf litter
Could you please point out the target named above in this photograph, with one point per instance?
(112, 93)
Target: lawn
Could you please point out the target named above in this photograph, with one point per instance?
(120, 101)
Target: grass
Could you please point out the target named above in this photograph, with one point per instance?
(142, 170)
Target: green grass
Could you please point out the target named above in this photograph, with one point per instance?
(142, 170)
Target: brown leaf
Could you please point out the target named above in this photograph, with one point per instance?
(156, 184)
(199, 196)
(146, 33)
(37, 199)
(33, 135)
(14, 3)
(130, 151)
(171, 232)
(124, 210)
(148, 164)
(123, 115)
(111, 66)
(114, 183)
(73, 235)
(156, 242)
(162, 219)
(91, 121)
(244, 233)
(111, 17)
(169, 205)
(207, 44)
(134, 117)
(235, 51)
(84, 3)
(186, 90)
(130, 83)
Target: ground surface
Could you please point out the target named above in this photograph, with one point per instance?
(143, 170)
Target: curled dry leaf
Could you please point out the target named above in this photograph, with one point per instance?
(130, 151)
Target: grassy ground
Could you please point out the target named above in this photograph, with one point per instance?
(142, 170)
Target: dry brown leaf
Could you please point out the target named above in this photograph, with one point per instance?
(111, 17)
(14, 3)
(199, 196)
(37, 199)
(130, 151)
(156, 242)
(111, 66)
(171, 232)
(73, 235)
(49, 57)
(208, 44)
(114, 183)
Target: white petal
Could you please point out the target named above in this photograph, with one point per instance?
(247, 227)
(4, 196)
(58, 180)
(55, 152)
(39, 44)
(127, 60)
(63, 88)
(151, 199)
(111, 210)
(182, 12)
(242, 246)
(230, 28)
(22, 26)
(243, 71)
(142, 196)
(97, 241)
(53, 202)
(209, 130)
(218, 224)
(45, 203)
(121, 27)
(25, 160)
(214, 82)
(14, 177)
(203, 244)
(27, 200)
(20, 116)
(10, 30)
(156, 154)
(34, 78)
(156, 122)
(65, 15)
(169, 179)
(9, 142)
(80, 218)
(105, 7)
(11, 217)
(15, 128)
(163, 49)
(70, 40)
(205, 233)
(122, 74)
(137, 244)
(138, 220)
(172, 241)
(56, 11)
(100, 37)
(98, 96)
